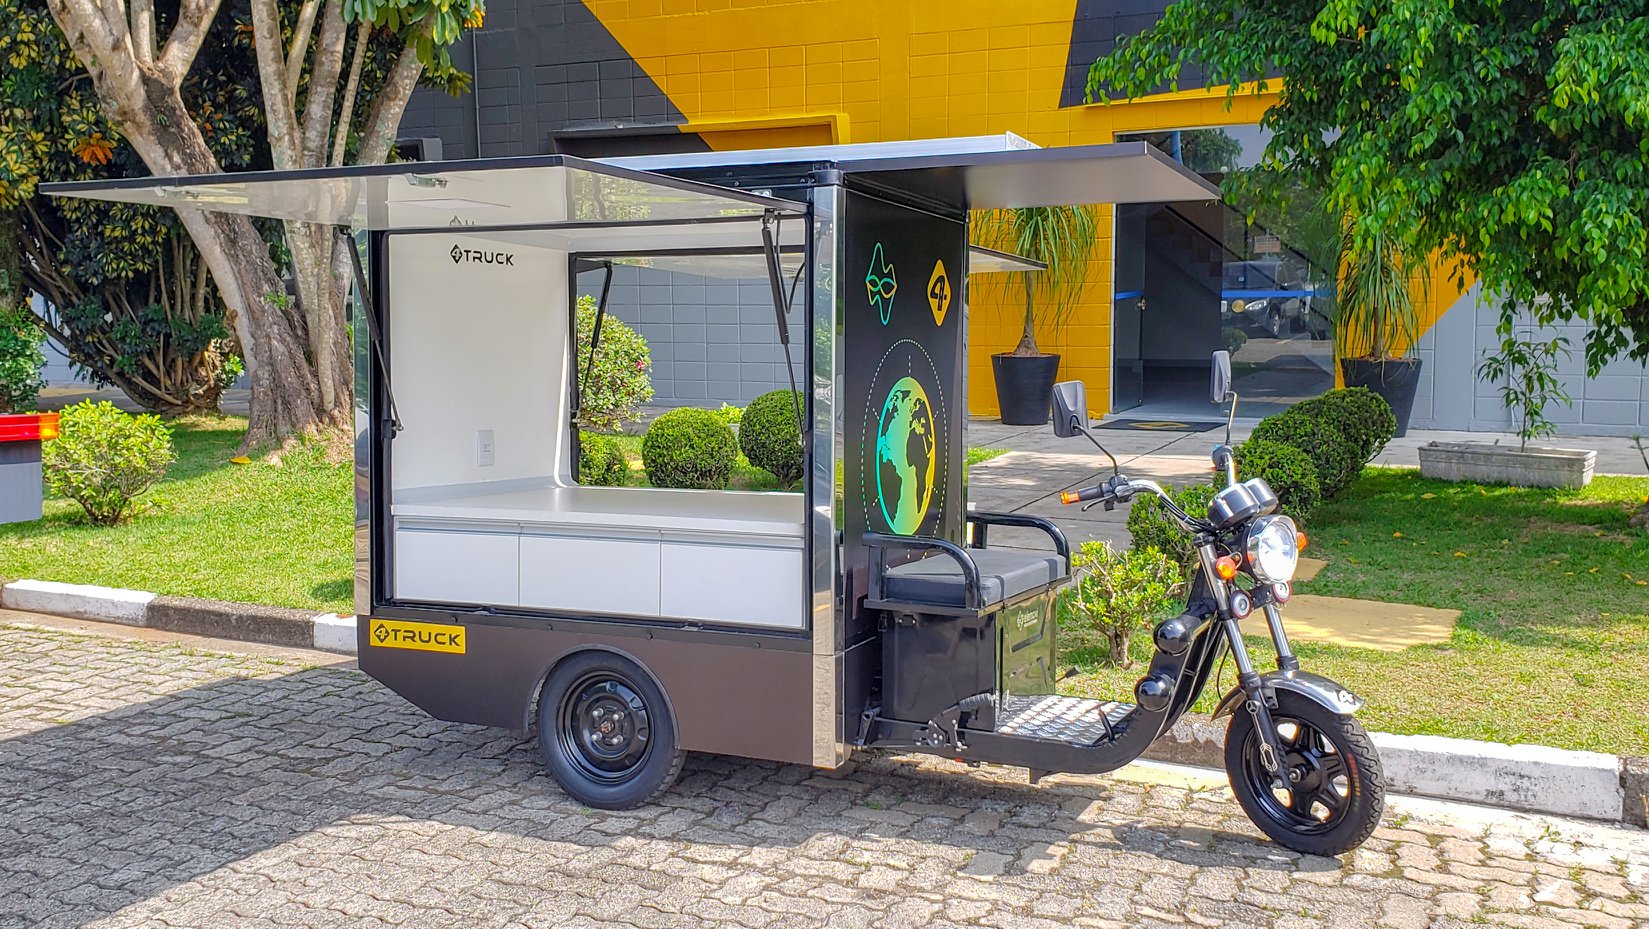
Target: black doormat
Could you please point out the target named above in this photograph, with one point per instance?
(1163, 425)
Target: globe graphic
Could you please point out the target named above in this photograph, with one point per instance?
(905, 456)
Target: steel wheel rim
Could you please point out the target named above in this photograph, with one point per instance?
(603, 729)
(1319, 772)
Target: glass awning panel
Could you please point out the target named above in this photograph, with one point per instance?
(551, 190)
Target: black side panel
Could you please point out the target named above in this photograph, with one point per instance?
(932, 662)
(902, 404)
(728, 699)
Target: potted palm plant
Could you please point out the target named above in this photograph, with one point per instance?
(1377, 321)
(1062, 238)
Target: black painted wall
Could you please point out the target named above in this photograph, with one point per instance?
(549, 77)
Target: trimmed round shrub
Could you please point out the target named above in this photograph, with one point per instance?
(1363, 415)
(1337, 457)
(1151, 527)
(689, 447)
(600, 461)
(769, 437)
(612, 390)
(1289, 471)
(103, 459)
(1233, 339)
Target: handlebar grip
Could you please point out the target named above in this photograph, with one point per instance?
(1082, 496)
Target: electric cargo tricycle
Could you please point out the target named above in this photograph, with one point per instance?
(864, 607)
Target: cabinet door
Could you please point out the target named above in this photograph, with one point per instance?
(611, 576)
(736, 584)
(458, 566)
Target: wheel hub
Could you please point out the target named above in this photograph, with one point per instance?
(605, 729)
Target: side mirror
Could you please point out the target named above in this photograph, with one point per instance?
(1070, 409)
(1219, 382)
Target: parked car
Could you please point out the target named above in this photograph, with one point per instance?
(1271, 296)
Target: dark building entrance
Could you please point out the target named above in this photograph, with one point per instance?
(1192, 278)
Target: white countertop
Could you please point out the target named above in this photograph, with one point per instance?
(544, 504)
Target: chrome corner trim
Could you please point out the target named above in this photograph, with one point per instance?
(365, 377)
(824, 337)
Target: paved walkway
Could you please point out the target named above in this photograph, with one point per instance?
(1039, 465)
(152, 785)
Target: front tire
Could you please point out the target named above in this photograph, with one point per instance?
(1336, 790)
(606, 733)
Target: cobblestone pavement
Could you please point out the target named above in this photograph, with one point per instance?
(151, 785)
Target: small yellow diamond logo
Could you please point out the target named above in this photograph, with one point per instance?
(939, 293)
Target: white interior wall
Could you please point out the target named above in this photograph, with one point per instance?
(476, 346)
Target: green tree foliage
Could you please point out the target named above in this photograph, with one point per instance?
(1508, 138)
(127, 294)
(20, 360)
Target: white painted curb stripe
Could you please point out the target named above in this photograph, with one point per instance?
(80, 601)
(334, 633)
(1524, 777)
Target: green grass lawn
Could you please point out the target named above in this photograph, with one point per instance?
(1553, 643)
(255, 533)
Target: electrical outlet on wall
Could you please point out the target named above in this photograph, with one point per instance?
(485, 451)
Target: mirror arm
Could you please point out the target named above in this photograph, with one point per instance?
(1116, 469)
(1230, 418)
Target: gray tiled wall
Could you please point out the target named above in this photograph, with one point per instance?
(713, 340)
(1450, 396)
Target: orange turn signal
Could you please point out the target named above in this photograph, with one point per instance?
(1226, 567)
(1067, 497)
(1300, 540)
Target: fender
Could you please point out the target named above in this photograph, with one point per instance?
(1332, 696)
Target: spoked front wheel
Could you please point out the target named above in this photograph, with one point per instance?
(1334, 792)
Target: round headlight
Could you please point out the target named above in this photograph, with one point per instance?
(1273, 548)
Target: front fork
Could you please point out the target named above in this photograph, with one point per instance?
(1271, 749)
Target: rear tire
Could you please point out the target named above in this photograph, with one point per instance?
(1336, 791)
(606, 732)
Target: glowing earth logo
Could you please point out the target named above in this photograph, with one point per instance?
(905, 456)
(881, 283)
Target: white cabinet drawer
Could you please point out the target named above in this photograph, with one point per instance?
(738, 584)
(457, 566)
(612, 576)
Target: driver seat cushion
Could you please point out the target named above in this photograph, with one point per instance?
(1003, 575)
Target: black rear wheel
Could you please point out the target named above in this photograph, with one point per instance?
(605, 731)
(1334, 791)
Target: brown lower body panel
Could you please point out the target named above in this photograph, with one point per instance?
(730, 699)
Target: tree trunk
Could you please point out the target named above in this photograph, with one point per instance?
(286, 396)
(1027, 340)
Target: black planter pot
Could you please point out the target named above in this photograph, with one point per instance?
(1394, 381)
(1024, 387)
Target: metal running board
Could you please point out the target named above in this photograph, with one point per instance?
(1067, 719)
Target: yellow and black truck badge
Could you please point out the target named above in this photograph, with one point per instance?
(423, 637)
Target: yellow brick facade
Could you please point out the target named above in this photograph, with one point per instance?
(753, 73)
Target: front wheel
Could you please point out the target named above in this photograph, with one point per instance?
(1335, 791)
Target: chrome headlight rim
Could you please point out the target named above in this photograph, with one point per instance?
(1272, 565)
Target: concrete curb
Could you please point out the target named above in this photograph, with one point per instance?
(267, 625)
(1535, 778)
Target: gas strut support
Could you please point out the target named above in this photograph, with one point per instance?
(781, 307)
(369, 311)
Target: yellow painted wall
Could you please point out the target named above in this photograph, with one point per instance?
(754, 73)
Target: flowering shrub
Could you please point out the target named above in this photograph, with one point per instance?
(613, 388)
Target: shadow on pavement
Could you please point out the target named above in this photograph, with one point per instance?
(107, 811)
